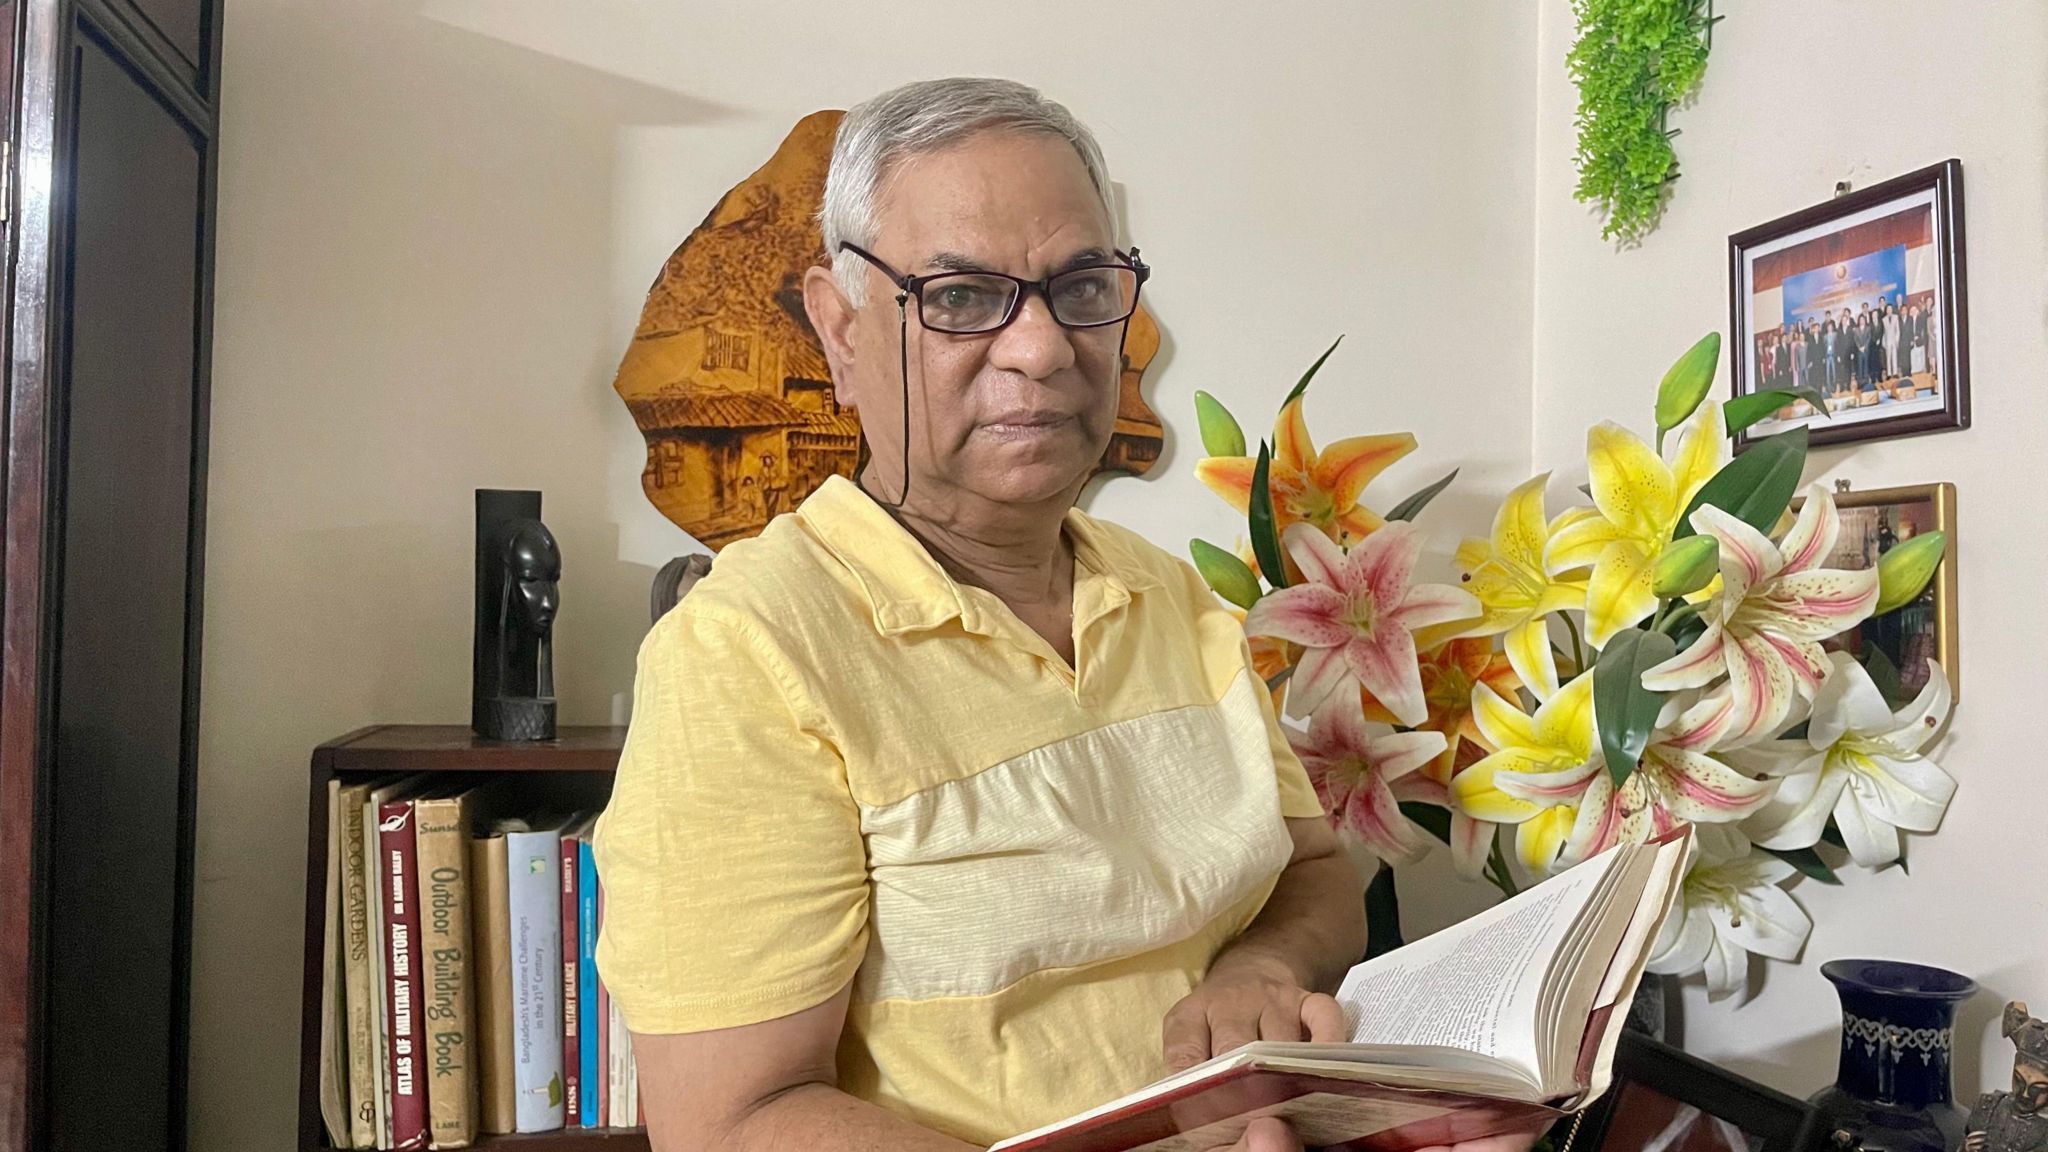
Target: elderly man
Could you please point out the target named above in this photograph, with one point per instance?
(948, 810)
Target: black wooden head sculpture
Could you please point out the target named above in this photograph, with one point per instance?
(518, 575)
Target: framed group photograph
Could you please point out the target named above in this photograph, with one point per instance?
(1858, 305)
(1873, 523)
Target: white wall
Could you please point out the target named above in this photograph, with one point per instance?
(1773, 129)
(436, 224)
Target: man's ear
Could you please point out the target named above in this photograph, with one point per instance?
(832, 318)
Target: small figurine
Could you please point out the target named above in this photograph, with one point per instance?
(518, 591)
(2015, 1121)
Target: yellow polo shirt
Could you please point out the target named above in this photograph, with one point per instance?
(845, 766)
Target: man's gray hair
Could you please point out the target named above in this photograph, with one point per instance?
(918, 119)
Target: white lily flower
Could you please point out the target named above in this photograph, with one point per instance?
(1729, 906)
(1860, 762)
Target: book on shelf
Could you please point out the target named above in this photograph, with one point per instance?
(1497, 1024)
(345, 804)
(572, 1046)
(333, 1023)
(492, 938)
(443, 824)
(603, 1027)
(619, 1110)
(398, 848)
(533, 865)
(586, 980)
(377, 882)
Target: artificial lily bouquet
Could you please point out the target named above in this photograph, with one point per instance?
(1596, 676)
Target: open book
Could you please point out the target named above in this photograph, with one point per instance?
(1490, 1026)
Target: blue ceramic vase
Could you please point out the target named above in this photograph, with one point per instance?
(1894, 1090)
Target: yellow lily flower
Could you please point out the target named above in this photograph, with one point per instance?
(1557, 739)
(1638, 499)
(1318, 488)
(1508, 576)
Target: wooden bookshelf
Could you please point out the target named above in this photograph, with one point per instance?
(579, 761)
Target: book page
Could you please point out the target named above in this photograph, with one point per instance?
(1319, 1118)
(1476, 985)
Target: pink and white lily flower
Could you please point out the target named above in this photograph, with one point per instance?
(1765, 625)
(1861, 763)
(1676, 782)
(1356, 614)
(1362, 776)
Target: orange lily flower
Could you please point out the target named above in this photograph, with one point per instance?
(1449, 672)
(1319, 488)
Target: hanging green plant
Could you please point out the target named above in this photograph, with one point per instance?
(1634, 60)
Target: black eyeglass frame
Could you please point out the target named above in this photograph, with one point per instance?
(912, 288)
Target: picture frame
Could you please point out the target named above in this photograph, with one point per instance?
(1873, 520)
(1666, 1100)
(1859, 302)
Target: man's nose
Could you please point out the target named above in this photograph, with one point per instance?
(1033, 344)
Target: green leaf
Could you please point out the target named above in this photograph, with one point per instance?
(1807, 861)
(1903, 572)
(1225, 574)
(1407, 509)
(1623, 710)
(1220, 434)
(1755, 487)
(1833, 835)
(1744, 411)
(1885, 675)
(1265, 540)
(1302, 385)
(1434, 819)
(1382, 914)
(1687, 382)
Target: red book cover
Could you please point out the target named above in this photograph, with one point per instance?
(1335, 1115)
(572, 1049)
(404, 1015)
(604, 1032)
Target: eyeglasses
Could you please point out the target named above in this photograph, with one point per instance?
(974, 303)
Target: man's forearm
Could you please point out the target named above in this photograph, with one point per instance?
(821, 1118)
(1312, 928)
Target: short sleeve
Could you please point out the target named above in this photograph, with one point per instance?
(1298, 800)
(731, 858)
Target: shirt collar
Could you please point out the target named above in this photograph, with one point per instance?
(907, 590)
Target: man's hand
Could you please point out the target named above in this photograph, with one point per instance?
(1247, 1002)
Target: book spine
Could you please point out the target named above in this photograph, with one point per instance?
(533, 861)
(357, 1002)
(615, 1071)
(333, 1015)
(586, 980)
(380, 1032)
(572, 958)
(399, 847)
(493, 941)
(443, 833)
(634, 1116)
(602, 1025)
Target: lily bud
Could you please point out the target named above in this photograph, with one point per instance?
(1903, 572)
(1220, 434)
(1227, 575)
(1686, 384)
(1686, 566)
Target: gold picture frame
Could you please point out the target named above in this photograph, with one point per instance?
(1874, 519)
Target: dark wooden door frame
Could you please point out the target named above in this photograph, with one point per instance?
(36, 256)
(24, 715)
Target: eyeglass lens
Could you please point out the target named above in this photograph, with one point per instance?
(970, 302)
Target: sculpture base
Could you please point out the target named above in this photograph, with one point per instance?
(514, 718)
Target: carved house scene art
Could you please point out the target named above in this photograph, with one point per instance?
(727, 381)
